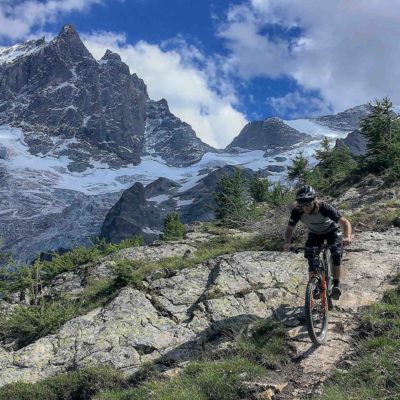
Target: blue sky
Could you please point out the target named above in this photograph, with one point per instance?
(222, 63)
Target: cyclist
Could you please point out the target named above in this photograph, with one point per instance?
(322, 221)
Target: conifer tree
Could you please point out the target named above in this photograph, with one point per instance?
(173, 227)
(280, 194)
(258, 188)
(381, 128)
(300, 170)
(230, 199)
(334, 165)
(324, 156)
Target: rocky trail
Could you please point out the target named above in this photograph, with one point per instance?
(369, 266)
(188, 312)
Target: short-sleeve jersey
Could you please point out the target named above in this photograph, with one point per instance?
(323, 221)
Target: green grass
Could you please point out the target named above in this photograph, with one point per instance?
(77, 385)
(378, 218)
(216, 380)
(133, 272)
(267, 345)
(42, 272)
(27, 324)
(217, 376)
(375, 373)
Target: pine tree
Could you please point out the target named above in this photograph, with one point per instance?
(300, 170)
(334, 165)
(280, 194)
(230, 199)
(381, 128)
(173, 228)
(258, 188)
(324, 156)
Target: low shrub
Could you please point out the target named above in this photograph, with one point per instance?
(27, 324)
(41, 272)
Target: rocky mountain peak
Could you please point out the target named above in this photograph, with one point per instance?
(69, 43)
(169, 137)
(68, 30)
(57, 91)
(348, 120)
(163, 105)
(271, 135)
(109, 55)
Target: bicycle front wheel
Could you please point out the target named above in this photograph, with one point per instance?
(315, 312)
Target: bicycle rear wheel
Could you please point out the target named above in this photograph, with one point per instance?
(316, 314)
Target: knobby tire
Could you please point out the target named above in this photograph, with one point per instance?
(316, 332)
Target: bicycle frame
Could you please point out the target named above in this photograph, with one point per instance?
(323, 274)
(318, 280)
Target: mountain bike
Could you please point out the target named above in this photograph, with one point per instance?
(318, 300)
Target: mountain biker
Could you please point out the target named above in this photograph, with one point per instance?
(322, 221)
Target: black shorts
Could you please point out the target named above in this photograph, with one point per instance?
(333, 238)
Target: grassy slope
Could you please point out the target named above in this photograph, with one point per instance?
(27, 324)
(375, 367)
(216, 376)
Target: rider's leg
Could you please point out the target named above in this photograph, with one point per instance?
(310, 252)
(335, 240)
(313, 241)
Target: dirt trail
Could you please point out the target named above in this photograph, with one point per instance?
(369, 265)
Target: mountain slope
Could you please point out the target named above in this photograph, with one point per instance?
(69, 104)
(182, 314)
(271, 135)
(167, 136)
(348, 120)
(74, 127)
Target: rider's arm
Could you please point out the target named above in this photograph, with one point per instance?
(295, 216)
(288, 237)
(346, 226)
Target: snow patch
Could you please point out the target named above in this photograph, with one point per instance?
(314, 129)
(86, 118)
(151, 231)
(181, 203)
(9, 54)
(159, 199)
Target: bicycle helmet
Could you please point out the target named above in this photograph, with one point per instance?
(306, 194)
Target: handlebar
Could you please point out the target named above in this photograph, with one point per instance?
(319, 248)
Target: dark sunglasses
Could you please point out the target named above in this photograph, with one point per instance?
(308, 204)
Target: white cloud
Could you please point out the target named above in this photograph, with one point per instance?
(299, 105)
(192, 84)
(347, 50)
(18, 18)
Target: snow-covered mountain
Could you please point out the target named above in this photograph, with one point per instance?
(271, 135)
(44, 206)
(76, 133)
(69, 104)
(347, 120)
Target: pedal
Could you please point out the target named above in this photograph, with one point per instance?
(336, 293)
